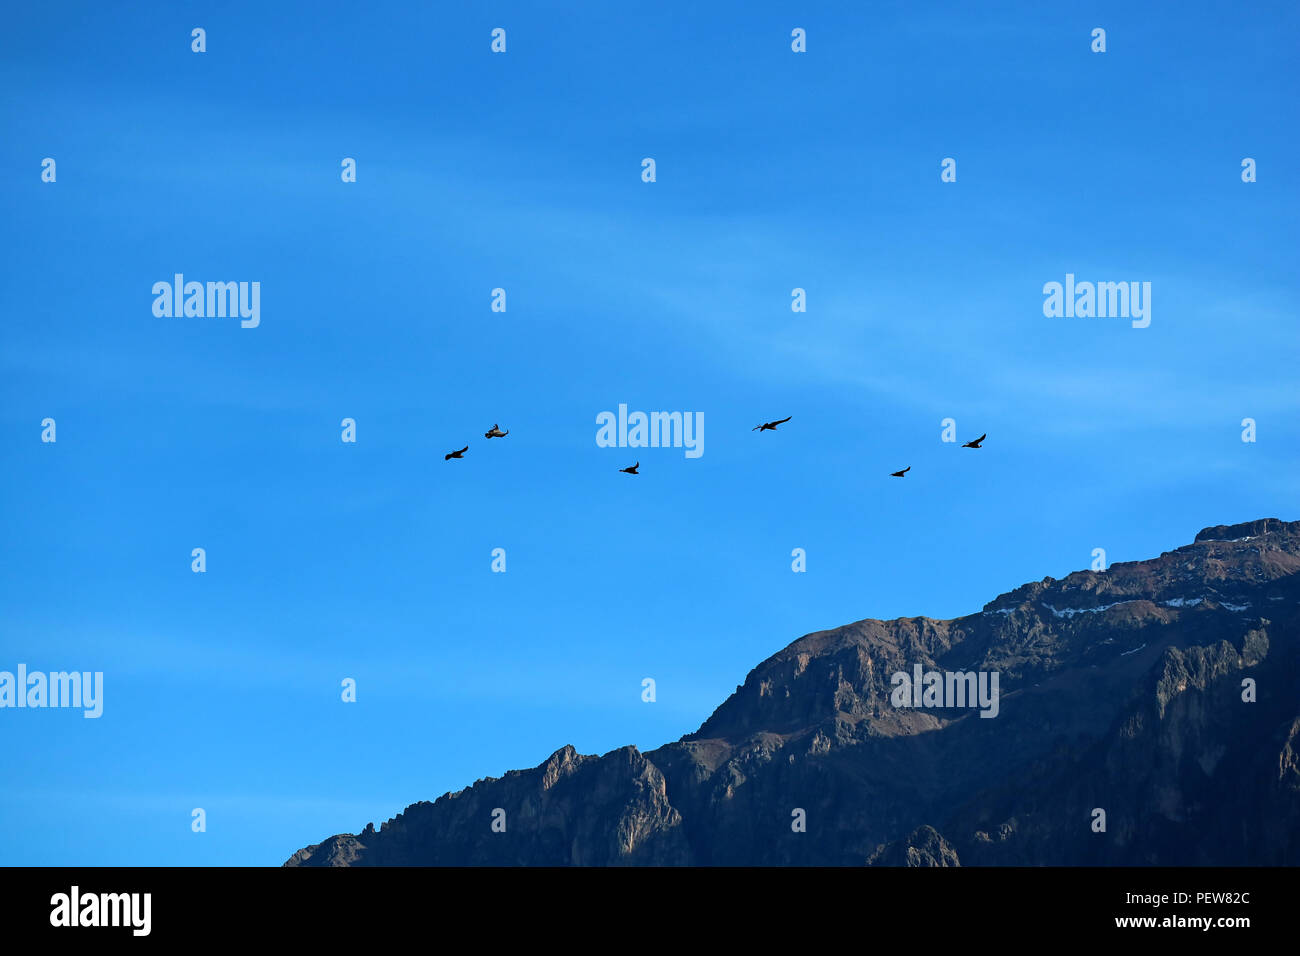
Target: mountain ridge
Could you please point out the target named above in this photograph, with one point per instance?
(1120, 690)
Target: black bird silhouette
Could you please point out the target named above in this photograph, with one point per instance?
(976, 442)
(456, 454)
(496, 432)
(632, 470)
(900, 474)
(770, 426)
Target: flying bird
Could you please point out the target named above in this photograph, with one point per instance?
(770, 426)
(976, 442)
(496, 432)
(632, 470)
(456, 454)
(900, 474)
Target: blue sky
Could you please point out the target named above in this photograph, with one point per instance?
(775, 170)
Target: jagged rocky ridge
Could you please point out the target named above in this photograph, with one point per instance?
(1120, 690)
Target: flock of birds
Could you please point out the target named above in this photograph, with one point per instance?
(970, 444)
(496, 432)
(493, 432)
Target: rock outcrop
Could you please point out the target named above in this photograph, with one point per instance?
(1160, 697)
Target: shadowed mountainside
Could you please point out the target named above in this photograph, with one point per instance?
(1120, 690)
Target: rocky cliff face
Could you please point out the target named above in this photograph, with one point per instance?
(1165, 693)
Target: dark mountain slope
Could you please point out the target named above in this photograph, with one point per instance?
(1119, 690)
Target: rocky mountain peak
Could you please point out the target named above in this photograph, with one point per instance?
(1160, 691)
(1247, 529)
